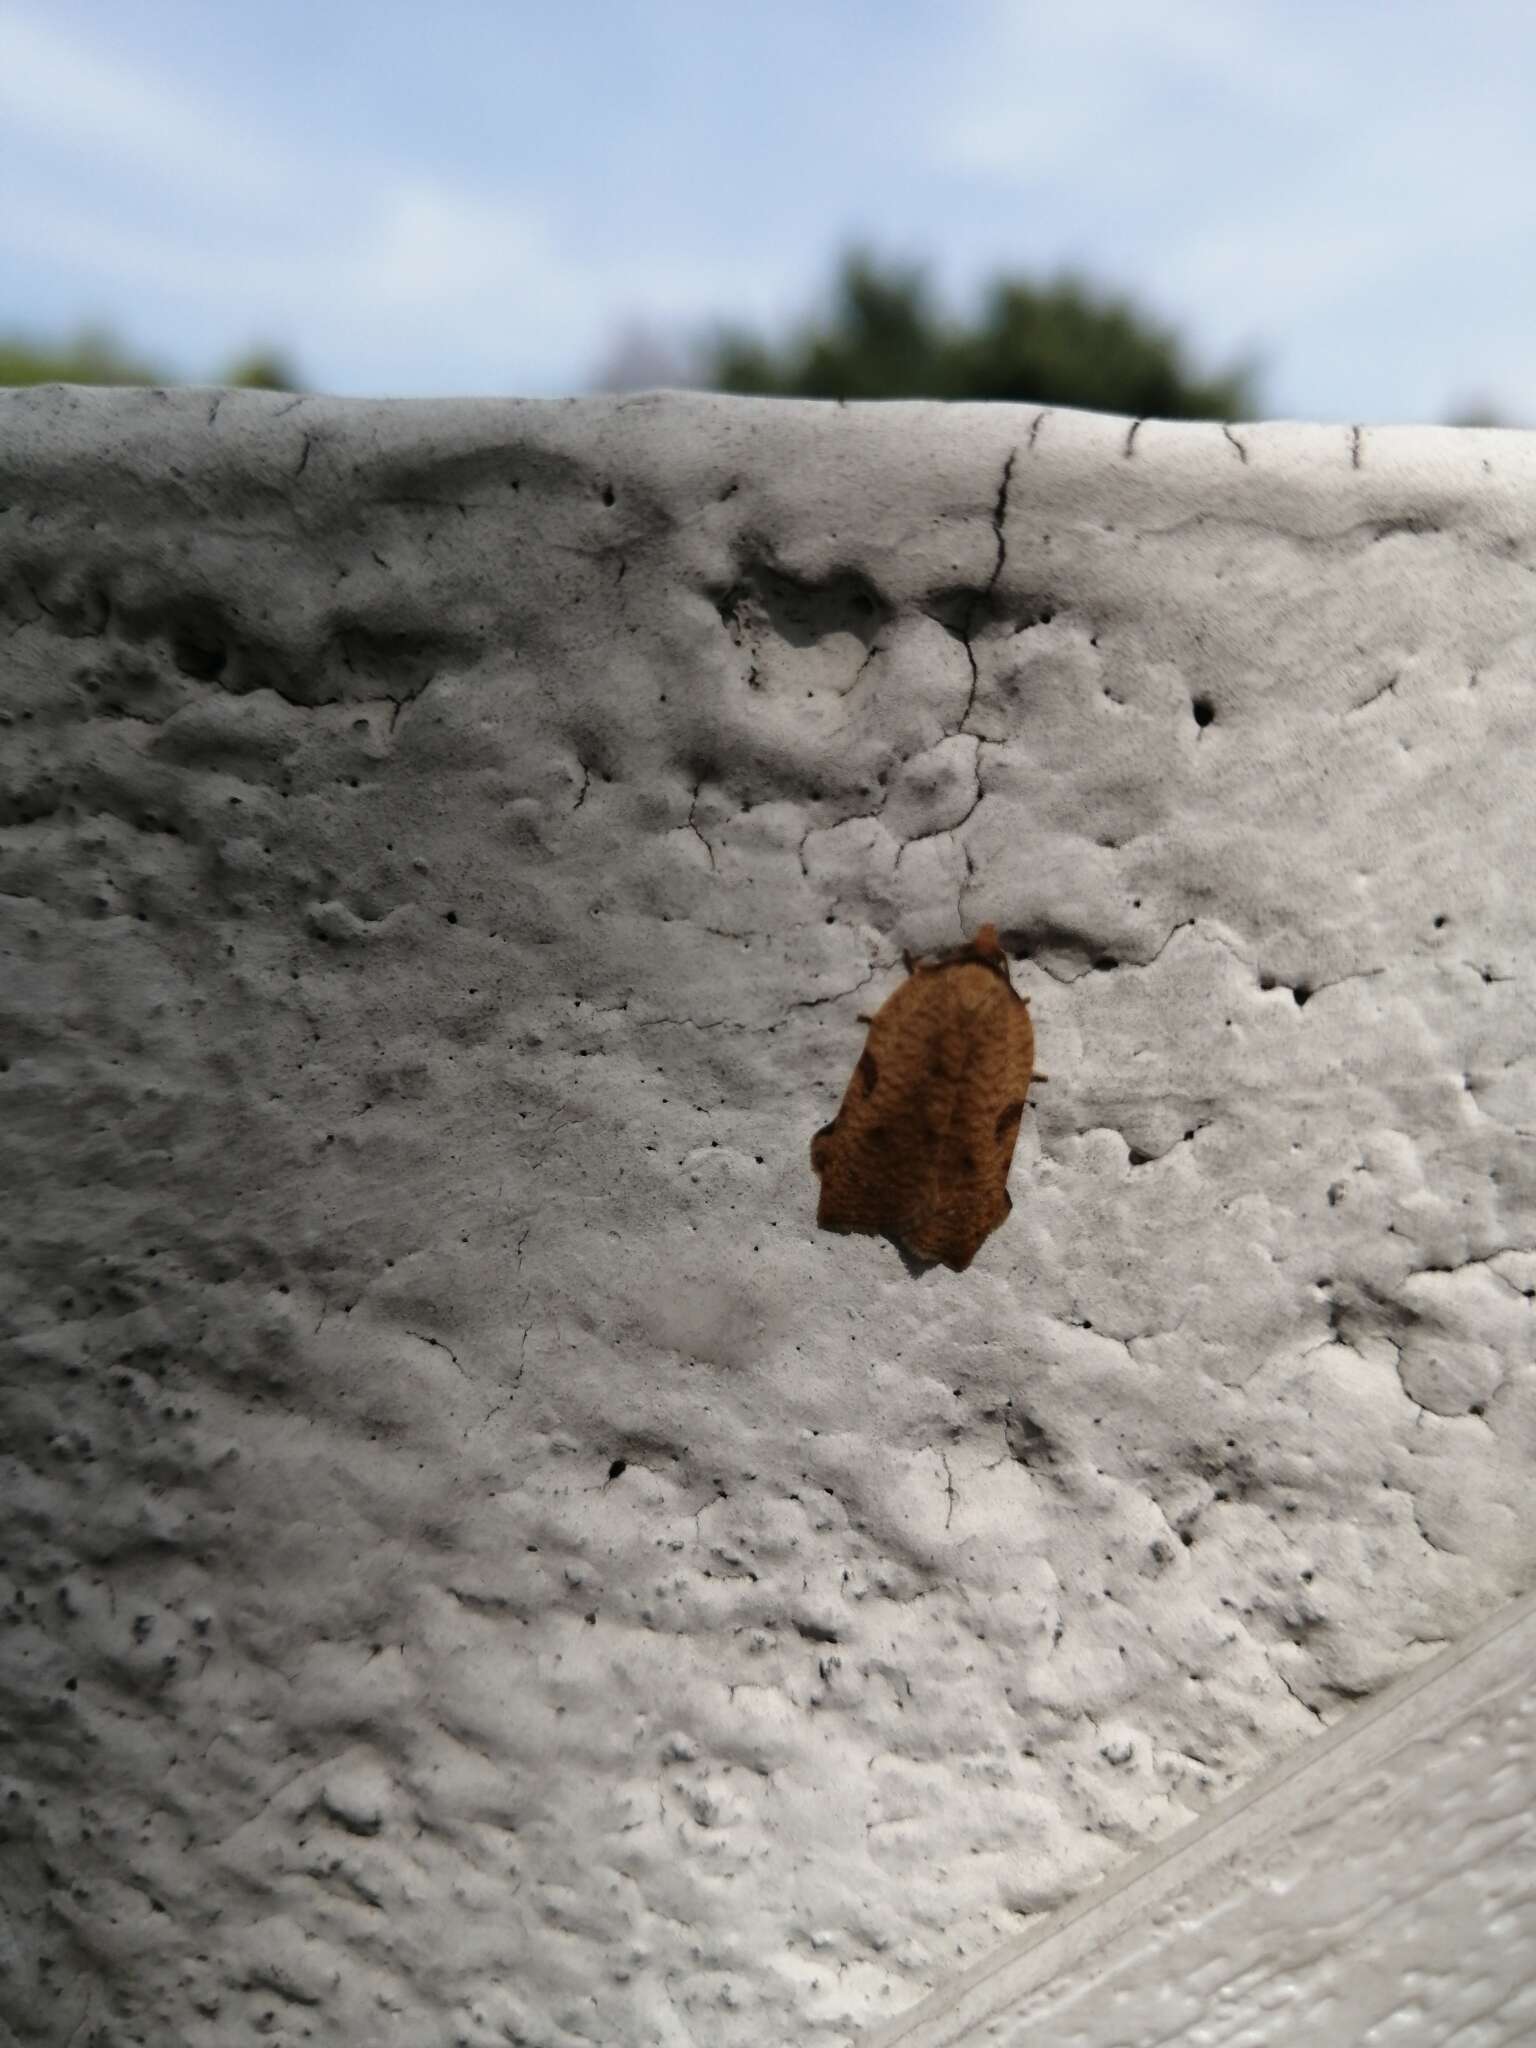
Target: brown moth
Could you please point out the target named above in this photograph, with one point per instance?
(921, 1146)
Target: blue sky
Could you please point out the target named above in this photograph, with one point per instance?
(468, 197)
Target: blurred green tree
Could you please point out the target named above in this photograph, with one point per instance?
(1055, 344)
(95, 356)
(1477, 412)
(262, 369)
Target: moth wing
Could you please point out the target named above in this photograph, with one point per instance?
(867, 1156)
(922, 1142)
(988, 1054)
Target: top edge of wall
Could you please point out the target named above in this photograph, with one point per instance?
(821, 454)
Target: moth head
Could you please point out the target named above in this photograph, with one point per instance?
(986, 949)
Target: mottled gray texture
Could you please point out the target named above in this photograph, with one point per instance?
(483, 1566)
(1378, 1889)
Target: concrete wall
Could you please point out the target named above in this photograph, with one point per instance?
(482, 1565)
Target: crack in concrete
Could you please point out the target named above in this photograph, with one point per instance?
(853, 818)
(951, 1495)
(693, 828)
(999, 522)
(736, 1024)
(1485, 974)
(874, 649)
(1412, 1499)
(437, 1344)
(1139, 966)
(837, 995)
(1315, 1712)
(1484, 1259)
(1388, 689)
(947, 831)
(999, 519)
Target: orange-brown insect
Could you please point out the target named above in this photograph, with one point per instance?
(921, 1146)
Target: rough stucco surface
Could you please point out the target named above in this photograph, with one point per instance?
(1379, 1889)
(481, 1566)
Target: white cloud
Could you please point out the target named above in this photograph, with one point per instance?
(426, 244)
(410, 248)
(1063, 88)
(403, 282)
(84, 105)
(238, 230)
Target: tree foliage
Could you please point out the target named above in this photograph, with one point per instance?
(262, 369)
(95, 356)
(884, 336)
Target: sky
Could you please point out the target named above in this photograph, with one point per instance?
(468, 197)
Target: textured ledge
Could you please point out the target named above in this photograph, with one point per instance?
(1380, 1887)
(479, 1564)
